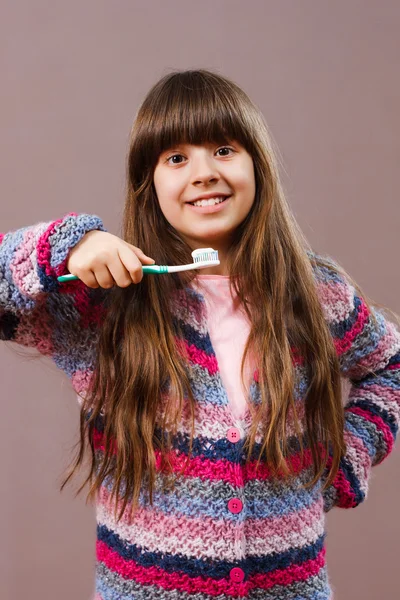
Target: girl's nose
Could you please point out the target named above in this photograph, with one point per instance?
(204, 170)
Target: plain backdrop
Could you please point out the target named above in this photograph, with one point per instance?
(325, 75)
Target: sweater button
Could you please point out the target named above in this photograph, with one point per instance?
(235, 505)
(237, 575)
(233, 434)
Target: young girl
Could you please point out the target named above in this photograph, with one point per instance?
(210, 399)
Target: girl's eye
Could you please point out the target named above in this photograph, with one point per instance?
(225, 148)
(174, 155)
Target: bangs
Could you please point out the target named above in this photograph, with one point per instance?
(191, 112)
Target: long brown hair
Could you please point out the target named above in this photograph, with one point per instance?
(271, 271)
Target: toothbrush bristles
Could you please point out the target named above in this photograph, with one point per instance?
(205, 257)
(208, 254)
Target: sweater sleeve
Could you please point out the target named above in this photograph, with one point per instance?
(369, 357)
(38, 311)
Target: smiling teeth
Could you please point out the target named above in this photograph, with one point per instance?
(209, 202)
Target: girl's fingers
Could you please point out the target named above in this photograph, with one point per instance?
(132, 263)
(89, 279)
(121, 268)
(104, 277)
(121, 275)
(140, 254)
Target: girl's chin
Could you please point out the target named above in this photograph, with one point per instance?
(217, 240)
(206, 234)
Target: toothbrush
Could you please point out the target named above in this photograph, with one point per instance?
(202, 258)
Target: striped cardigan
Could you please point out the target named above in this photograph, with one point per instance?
(224, 531)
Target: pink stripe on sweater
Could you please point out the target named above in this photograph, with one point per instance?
(216, 470)
(129, 569)
(380, 425)
(344, 344)
(22, 264)
(291, 574)
(81, 380)
(381, 396)
(380, 391)
(44, 250)
(336, 299)
(394, 367)
(345, 492)
(388, 344)
(201, 358)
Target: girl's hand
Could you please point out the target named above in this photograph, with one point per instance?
(101, 259)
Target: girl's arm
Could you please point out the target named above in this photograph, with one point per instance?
(35, 309)
(372, 410)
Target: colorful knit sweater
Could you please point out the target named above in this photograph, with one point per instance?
(224, 531)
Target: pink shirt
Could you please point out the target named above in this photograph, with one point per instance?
(229, 329)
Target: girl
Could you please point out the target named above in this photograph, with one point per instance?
(210, 400)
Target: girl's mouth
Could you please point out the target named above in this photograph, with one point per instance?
(211, 208)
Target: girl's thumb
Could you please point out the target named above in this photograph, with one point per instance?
(142, 256)
(147, 259)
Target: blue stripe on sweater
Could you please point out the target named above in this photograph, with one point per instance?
(347, 469)
(181, 501)
(205, 447)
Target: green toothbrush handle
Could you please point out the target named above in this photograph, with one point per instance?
(69, 277)
(155, 269)
(145, 269)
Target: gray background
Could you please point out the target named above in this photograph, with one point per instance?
(325, 75)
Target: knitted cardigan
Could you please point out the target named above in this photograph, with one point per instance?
(225, 531)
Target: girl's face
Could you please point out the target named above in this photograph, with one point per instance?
(185, 172)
